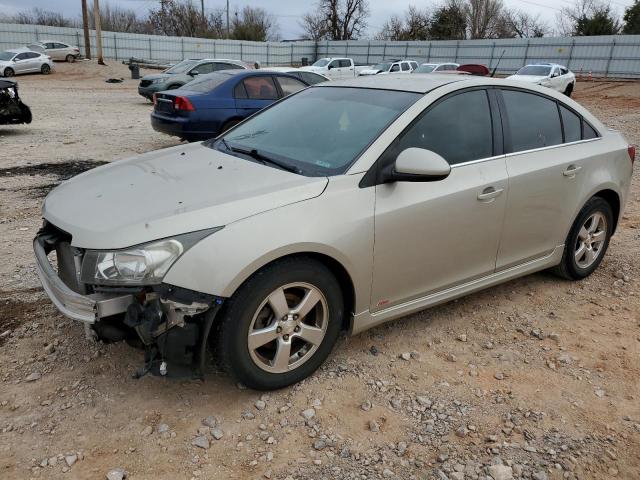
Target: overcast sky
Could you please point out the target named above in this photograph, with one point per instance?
(288, 12)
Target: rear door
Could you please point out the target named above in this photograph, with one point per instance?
(254, 93)
(545, 176)
(405, 67)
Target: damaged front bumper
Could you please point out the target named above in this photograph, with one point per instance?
(173, 324)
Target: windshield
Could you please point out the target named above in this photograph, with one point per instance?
(319, 131)
(321, 63)
(6, 56)
(206, 83)
(182, 67)
(536, 70)
(426, 68)
(383, 67)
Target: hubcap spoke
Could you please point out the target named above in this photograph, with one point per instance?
(281, 359)
(258, 338)
(583, 234)
(278, 303)
(590, 256)
(312, 335)
(580, 252)
(596, 218)
(599, 236)
(310, 300)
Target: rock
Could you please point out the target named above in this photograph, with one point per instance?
(540, 475)
(71, 460)
(5, 334)
(374, 351)
(319, 444)
(33, 377)
(488, 345)
(462, 337)
(424, 401)
(163, 428)
(565, 359)
(619, 274)
(49, 349)
(148, 430)
(462, 432)
(405, 356)
(247, 415)
(211, 421)
(599, 392)
(456, 476)
(499, 376)
(117, 474)
(537, 333)
(309, 413)
(260, 404)
(201, 442)
(366, 406)
(374, 426)
(386, 473)
(451, 357)
(216, 433)
(500, 472)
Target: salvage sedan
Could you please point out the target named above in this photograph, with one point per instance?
(260, 243)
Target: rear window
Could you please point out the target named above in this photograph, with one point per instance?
(535, 70)
(533, 120)
(589, 132)
(290, 85)
(205, 83)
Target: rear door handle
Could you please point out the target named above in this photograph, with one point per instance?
(571, 170)
(489, 193)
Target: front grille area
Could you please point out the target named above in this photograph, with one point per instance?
(69, 259)
(145, 83)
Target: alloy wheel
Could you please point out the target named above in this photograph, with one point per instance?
(590, 241)
(288, 327)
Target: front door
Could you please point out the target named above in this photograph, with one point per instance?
(433, 235)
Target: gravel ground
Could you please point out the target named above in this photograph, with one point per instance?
(534, 379)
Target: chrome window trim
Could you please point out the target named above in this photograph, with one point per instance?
(533, 150)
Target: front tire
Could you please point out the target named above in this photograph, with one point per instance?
(45, 69)
(8, 72)
(569, 90)
(70, 59)
(587, 241)
(281, 324)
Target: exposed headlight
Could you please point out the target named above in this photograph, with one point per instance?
(140, 265)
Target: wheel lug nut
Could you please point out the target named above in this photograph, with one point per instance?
(297, 329)
(286, 337)
(278, 330)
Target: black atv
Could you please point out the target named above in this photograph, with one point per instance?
(12, 110)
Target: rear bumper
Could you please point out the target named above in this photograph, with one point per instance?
(182, 127)
(84, 308)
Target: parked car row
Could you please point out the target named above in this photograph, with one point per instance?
(260, 244)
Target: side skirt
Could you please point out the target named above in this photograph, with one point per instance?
(366, 320)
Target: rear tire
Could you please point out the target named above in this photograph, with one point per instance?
(587, 241)
(8, 72)
(569, 90)
(70, 59)
(45, 69)
(291, 346)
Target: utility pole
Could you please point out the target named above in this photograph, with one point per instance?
(228, 30)
(202, 7)
(96, 19)
(85, 27)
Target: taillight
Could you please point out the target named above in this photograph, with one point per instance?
(631, 149)
(183, 103)
(76, 49)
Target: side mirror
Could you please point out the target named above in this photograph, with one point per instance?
(330, 67)
(417, 165)
(193, 73)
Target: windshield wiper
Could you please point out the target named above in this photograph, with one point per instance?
(264, 159)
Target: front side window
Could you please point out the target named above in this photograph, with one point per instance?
(182, 67)
(21, 56)
(203, 68)
(345, 63)
(334, 64)
(458, 129)
(261, 88)
(290, 85)
(321, 130)
(395, 67)
(321, 63)
(533, 120)
(61, 45)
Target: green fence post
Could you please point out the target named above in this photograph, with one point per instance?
(613, 46)
(526, 51)
(493, 48)
(115, 46)
(368, 51)
(150, 54)
(573, 42)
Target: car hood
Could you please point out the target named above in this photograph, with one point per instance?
(5, 62)
(370, 71)
(169, 192)
(156, 76)
(528, 78)
(311, 68)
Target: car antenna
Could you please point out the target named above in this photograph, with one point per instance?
(493, 74)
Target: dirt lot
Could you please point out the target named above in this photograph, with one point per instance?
(537, 378)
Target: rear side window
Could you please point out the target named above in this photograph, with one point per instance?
(572, 124)
(227, 66)
(312, 78)
(533, 120)
(22, 56)
(458, 129)
(345, 63)
(204, 68)
(405, 67)
(239, 91)
(290, 85)
(589, 132)
(261, 88)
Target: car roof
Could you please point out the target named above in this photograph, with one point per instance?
(49, 40)
(399, 82)
(19, 50)
(544, 65)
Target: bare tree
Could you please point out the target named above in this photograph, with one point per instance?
(525, 25)
(254, 24)
(118, 19)
(414, 26)
(484, 18)
(184, 19)
(38, 16)
(337, 19)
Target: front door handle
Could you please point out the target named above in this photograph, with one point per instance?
(571, 170)
(489, 194)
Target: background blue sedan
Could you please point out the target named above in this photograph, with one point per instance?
(215, 102)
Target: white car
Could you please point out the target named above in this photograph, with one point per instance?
(397, 66)
(56, 50)
(309, 77)
(23, 60)
(339, 68)
(437, 67)
(551, 75)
